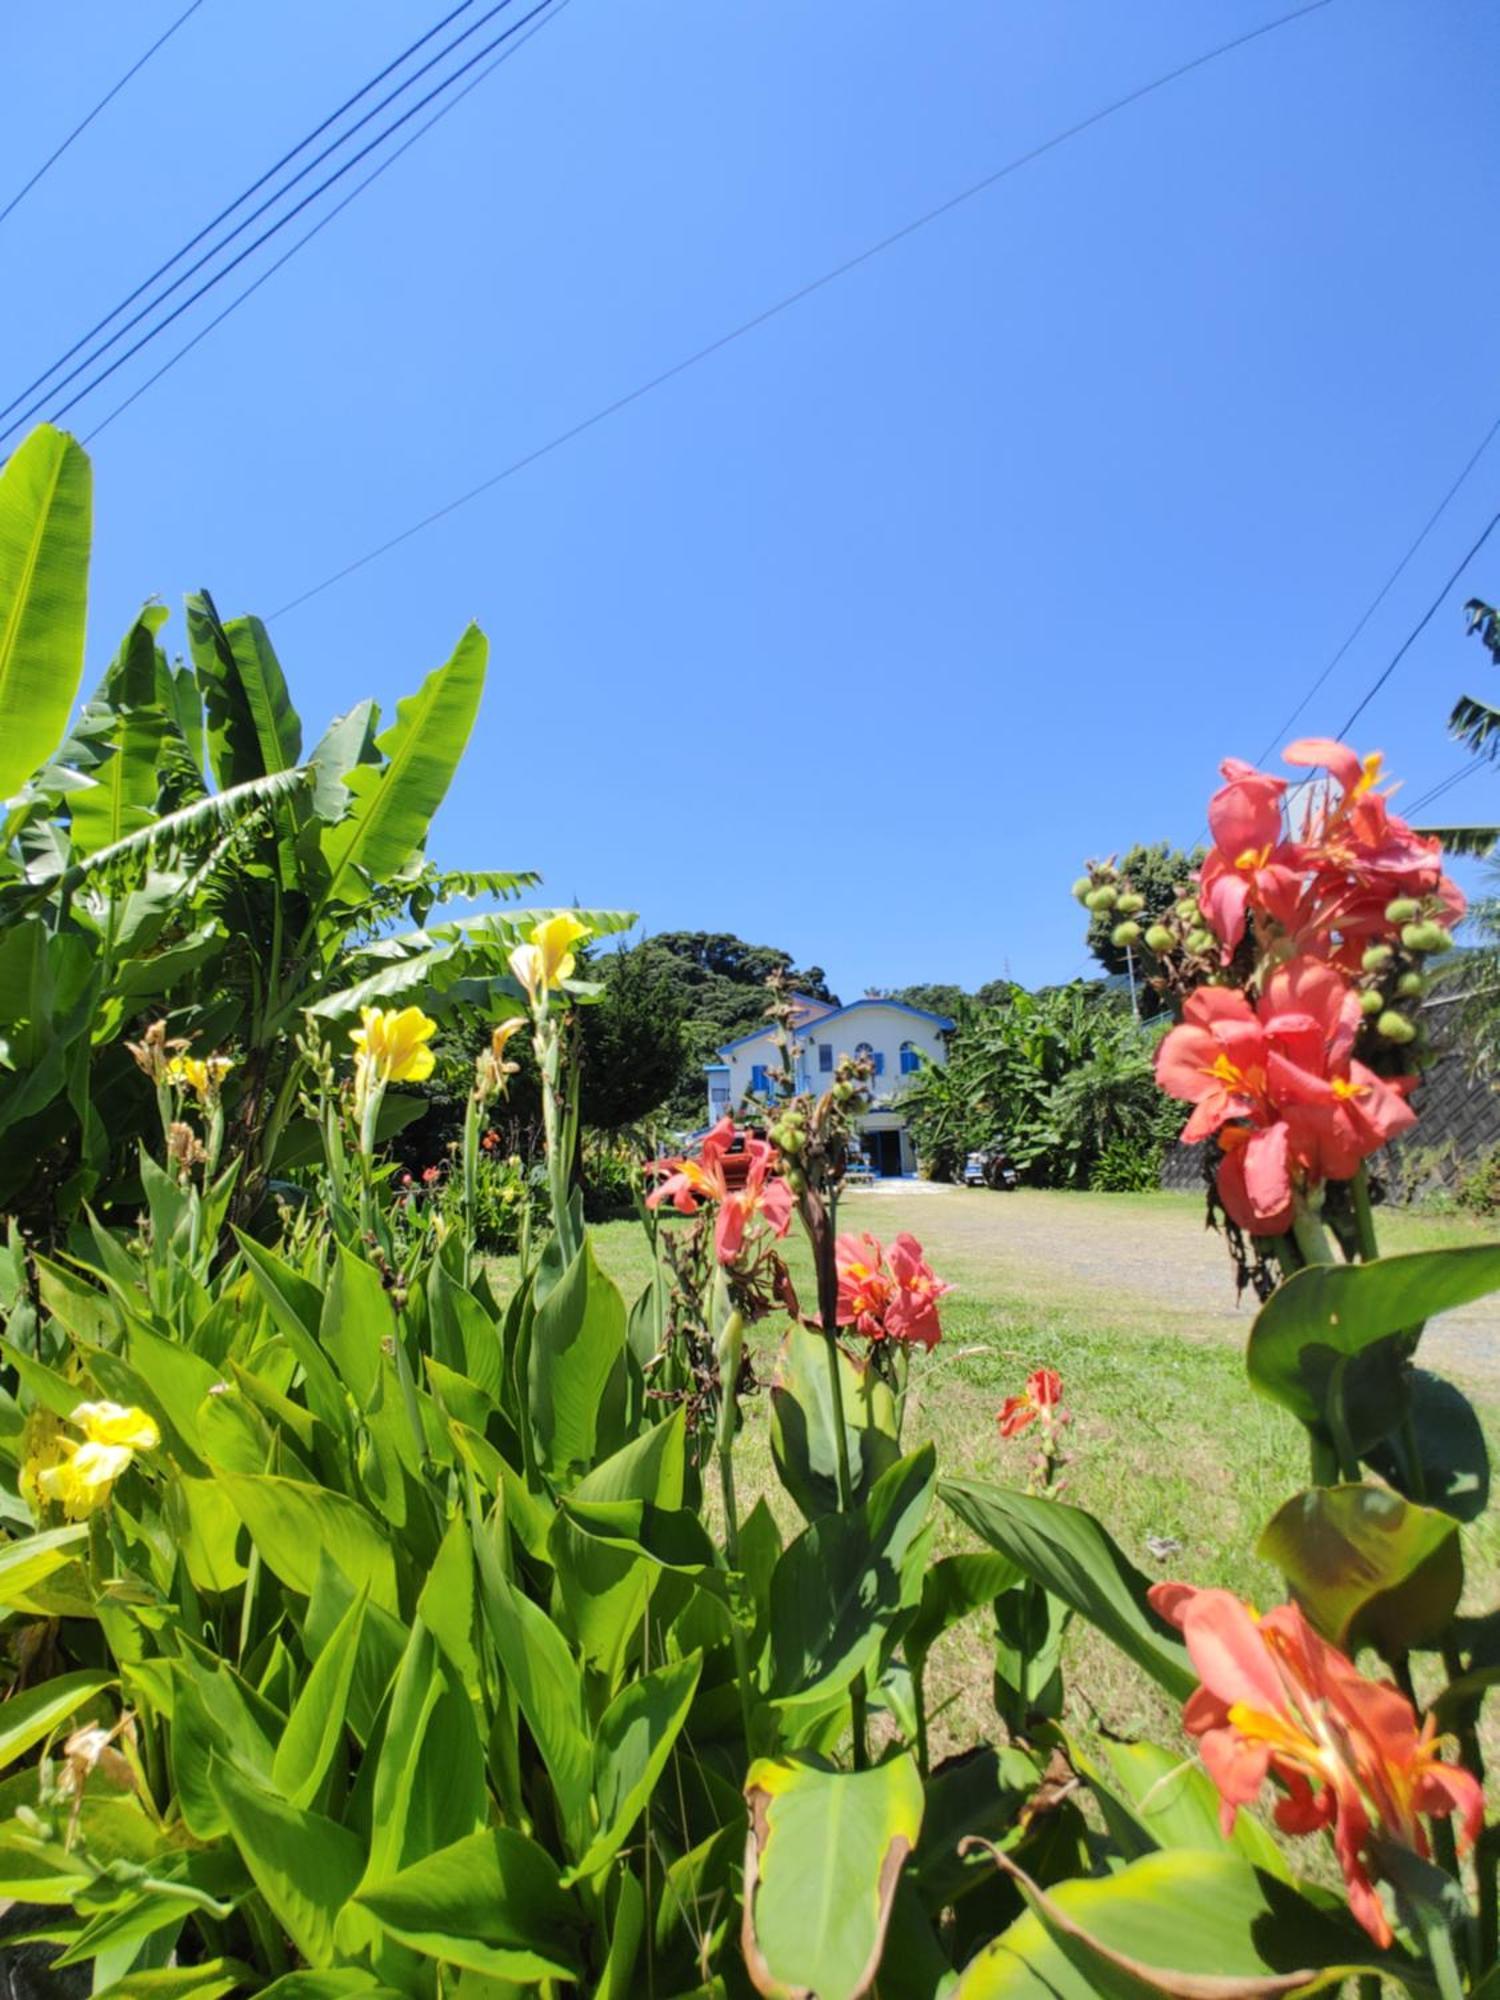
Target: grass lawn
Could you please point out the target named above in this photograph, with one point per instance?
(1125, 1298)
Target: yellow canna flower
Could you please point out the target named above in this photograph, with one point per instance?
(84, 1478)
(546, 960)
(203, 1075)
(392, 1045)
(43, 1446)
(116, 1424)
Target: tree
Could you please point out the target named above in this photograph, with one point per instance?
(937, 997)
(634, 1045)
(1158, 872)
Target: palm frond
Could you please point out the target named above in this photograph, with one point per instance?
(227, 812)
(1476, 725)
(1477, 841)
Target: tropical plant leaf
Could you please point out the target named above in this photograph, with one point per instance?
(293, 1524)
(253, 728)
(576, 1374)
(1345, 1331)
(46, 524)
(1478, 842)
(631, 1746)
(391, 806)
(823, 1856)
(305, 1866)
(1184, 1924)
(1069, 1554)
(26, 1718)
(1367, 1565)
(803, 1435)
(490, 1903)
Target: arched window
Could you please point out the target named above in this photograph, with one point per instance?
(864, 1053)
(911, 1059)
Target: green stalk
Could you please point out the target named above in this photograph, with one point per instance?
(1364, 1216)
(473, 1111)
(1311, 1236)
(729, 1344)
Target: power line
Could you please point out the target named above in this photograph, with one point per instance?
(292, 213)
(323, 221)
(802, 292)
(84, 123)
(239, 201)
(1444, 785)
(1380, 596)
(1416, 631)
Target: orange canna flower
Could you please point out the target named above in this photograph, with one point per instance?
(687, 1182)
(1041, 1396)
(1278, 1700)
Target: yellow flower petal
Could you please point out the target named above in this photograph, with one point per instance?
(116, 1424)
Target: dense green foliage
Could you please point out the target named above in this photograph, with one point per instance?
(1063, 1078)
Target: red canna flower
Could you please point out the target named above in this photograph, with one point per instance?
(1249, 857)
(1278, 1083)
(1278, 1700)
(687, 1183)
(1041, 1396)
(889, 1294)
(431, 1175)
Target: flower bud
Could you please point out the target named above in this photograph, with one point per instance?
(1402, 910)
(1394, 1027)
(1125, 934)
(1371, 1002)
(1159, 938)
(1130, 902)
(1411, 986)
(1377, 958)
(1082, 887)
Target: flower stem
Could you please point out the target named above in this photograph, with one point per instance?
(729, 1345)
(1364, 1216)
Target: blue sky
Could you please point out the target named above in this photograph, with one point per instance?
(858, 637)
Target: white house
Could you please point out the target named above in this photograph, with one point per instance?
(894, 1037)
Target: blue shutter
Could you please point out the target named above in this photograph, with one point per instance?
(825, 1057)
(880, 1062)
(758, 1079)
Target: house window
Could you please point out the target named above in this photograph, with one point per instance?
(825, 1057)
(911, 1060)
(864, 1053)
(759, 1082)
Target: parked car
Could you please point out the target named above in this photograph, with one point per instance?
(991, 1166)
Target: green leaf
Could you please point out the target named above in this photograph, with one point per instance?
(1155, 1798)
(31, 1560)
(803, 1435)
(253, 730)
(429, 1783)
(315, 1726)
(46, 520)
(1346, 1330)
(953, 1589)
(305, 1866)
(576, 1376)
(490, 1903)
(26, 1718)
(1368, 1566)
(293, 1524)
(1069, 1554)
(391, 807)
(840, 1586)
(207, 1981)
(822, 1860)
(631, 1746)
(1184, 1923)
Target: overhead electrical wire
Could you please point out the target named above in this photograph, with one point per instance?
(1443, 786)
(1416, 631)
(371, 146)
(794, 298)
(373, 83)
(1380, 596)
(324, 220)
(108, 98)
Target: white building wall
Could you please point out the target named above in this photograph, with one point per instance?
(883, 1026)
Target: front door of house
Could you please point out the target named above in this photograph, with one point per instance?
(884, 1149)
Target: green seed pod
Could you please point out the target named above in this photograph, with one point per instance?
(1414, 936)
(1436, 940)
(1159, 939)
(1187, 910)
(1411, 986)
(1372, 1001)
(1130, 902)
(1402, 910)
(791, 1141)
(1202, 942)
(1082, 887)
(1126, 933)
(1377, 958)
(1394, 1027)
(1104, 897)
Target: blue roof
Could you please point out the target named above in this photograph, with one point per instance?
(941, 1021)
